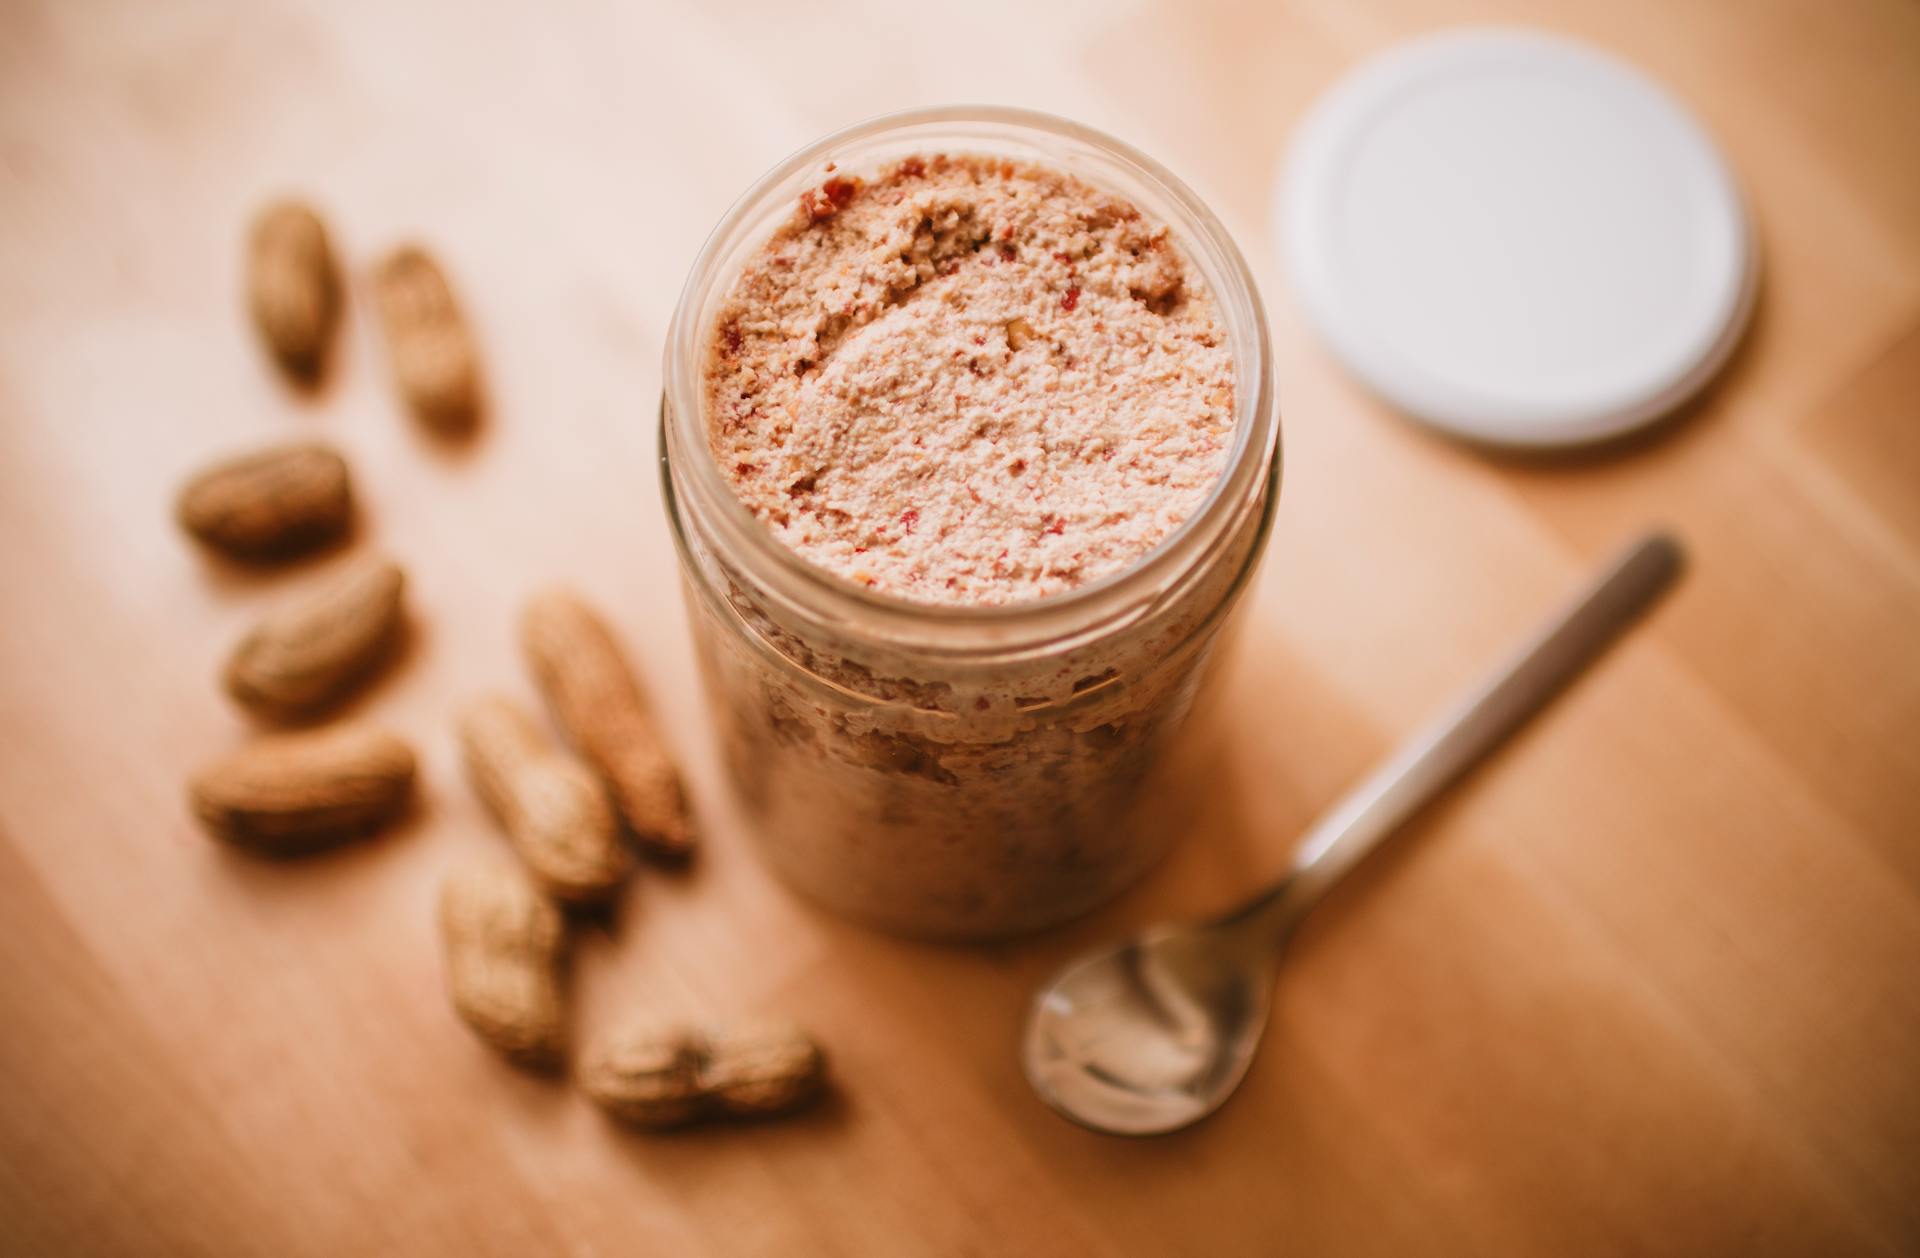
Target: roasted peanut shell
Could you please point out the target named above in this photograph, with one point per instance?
(435, 364)
(293, 287)
(555, 812)
(760, 1070)
(309, 654)
(671, 1076)
(505, 943)
(270, 504)
(648, 1080)
(291, 793)
(596, 699)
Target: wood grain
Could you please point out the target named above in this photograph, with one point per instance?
(1645, 985)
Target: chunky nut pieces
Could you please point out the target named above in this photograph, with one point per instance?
(554, 811)
(270, 504)
(293, 793)
(505, 943)
(434, 361)
(308, 655)
(293, 288)
(596, 699)
(673, 1076)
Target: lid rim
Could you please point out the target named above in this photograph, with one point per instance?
(1612, 400)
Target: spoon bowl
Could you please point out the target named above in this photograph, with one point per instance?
(1151, 1036)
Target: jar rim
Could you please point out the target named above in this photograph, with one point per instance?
(1256, 426)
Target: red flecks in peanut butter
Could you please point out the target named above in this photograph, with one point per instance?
(939, 365)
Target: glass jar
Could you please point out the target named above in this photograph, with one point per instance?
(962, 772)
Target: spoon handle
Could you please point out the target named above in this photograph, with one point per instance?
(1439, 754)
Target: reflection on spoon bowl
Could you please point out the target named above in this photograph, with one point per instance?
(1149, 1037)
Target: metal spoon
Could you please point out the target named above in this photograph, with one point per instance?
(1158, 1032)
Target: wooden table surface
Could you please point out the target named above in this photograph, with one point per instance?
(1649, 983)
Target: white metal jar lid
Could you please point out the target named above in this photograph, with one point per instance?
(1516, 237)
